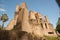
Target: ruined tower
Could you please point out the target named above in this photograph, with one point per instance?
(25, 21)
(31, 22)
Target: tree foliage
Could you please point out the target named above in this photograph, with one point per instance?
(58, 28)
(58, 25)
(3, 18)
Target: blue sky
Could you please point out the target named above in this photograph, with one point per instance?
(45, 7)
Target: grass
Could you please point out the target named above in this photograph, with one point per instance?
(51, 38)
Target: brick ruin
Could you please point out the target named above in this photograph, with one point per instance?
(31, 22)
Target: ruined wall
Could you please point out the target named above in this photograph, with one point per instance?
(33, 23)
(10, 25)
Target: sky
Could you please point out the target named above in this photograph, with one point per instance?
(45, 7)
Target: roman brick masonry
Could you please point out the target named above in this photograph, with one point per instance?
(31, 22)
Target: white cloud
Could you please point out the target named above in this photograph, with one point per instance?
(1, 9)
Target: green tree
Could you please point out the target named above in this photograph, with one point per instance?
(58, 28)
(0, 18)
(58, 25)
(4, 18)
(0, 27)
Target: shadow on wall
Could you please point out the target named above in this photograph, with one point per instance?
(13, 35)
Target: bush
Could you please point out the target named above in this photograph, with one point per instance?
(51, 38)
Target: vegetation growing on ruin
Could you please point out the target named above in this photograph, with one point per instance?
(51, 38)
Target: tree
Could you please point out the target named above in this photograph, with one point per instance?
(58, 25)
(0, 27)
(58, 2)
(4, 18)
(0, 17)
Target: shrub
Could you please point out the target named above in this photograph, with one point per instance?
(52, 38)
